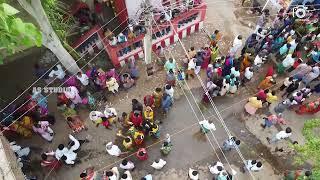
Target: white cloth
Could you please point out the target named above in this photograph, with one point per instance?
(114, 151)
(148, 177)
(59, 73)
(282, 135)
(214, 169)
(288, 61)
(191, 176)
(159, 165)
(191, 64)
(128, 166)
(109, 112)
(59, 153)
(248, 74)
(211, 85)
(129, 176)
(234, 72)
(115, 175)
(225, 88)
(233, 89)
(168, 139)
(19, 150)
(95, 115)
(71, 156)
(205, 123)
(255, 168)
(84, 79)
(249, 164)
(237, 43)
(76, 143)
(286, 82)
(257, 61)
(170, 92)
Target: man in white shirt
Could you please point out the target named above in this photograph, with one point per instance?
(126, 176)
(169, 90)
(206, 126)
(57, 72)
(249, 164)
(83, 78)
(248, 74)
(256, 167)
(258, 60)
(75, 144)
(110, 112)
(193, 174)
(127, 165)
(158, 164)
(113, 174)
(280, 135)
(94, 116)
(237, 43)
(216, 168)
(288, 61)
(69, 157)
(113, 150)
(60, 151)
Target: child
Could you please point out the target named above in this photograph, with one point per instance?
(166, 148)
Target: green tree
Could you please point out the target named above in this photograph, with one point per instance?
(14, 33)
(310, 151)
(50, 39)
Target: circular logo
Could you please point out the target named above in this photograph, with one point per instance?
(301, 12)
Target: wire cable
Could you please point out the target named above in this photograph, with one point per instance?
(16, 109)
(73, 49)
(240, 154)
(51, 92)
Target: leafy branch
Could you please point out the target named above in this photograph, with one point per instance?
(310, 151)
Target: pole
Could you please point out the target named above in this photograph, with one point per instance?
(147, 41)
(265, 5)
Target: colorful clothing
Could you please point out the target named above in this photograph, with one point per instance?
(309, 108)
(157, 98)
(75, 123)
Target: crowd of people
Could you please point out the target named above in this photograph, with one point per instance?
(289, 47)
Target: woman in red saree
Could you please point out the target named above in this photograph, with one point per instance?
(309, 108)
(50, 162)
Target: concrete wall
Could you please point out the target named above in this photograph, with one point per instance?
(9, 169)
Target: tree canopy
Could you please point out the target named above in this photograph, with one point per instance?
(310, 151)
(15, 34)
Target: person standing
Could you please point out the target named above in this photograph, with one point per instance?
(191, 68)
(286, 83)
(157, 95)
(237, 43)
(170, 64)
